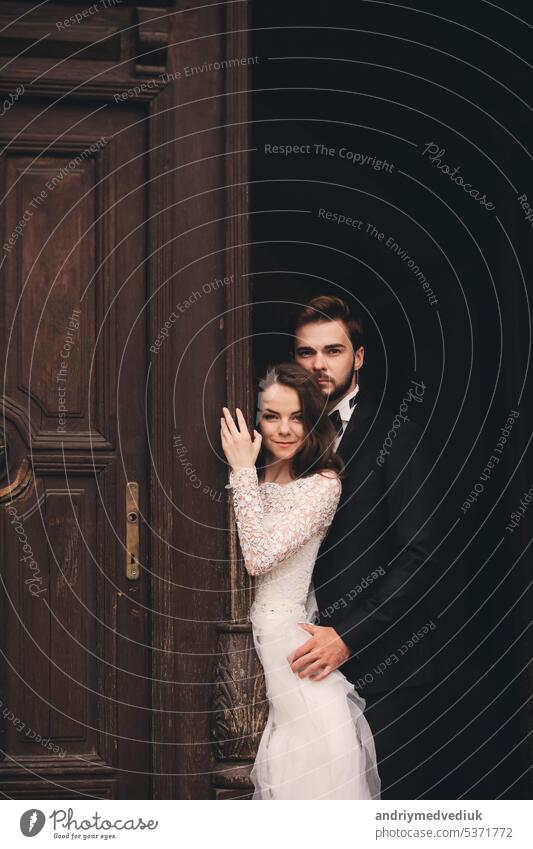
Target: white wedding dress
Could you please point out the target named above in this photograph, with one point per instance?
(317, 743)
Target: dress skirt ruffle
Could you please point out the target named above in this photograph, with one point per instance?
(317, 743)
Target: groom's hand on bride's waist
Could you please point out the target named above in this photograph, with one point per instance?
(323, 652)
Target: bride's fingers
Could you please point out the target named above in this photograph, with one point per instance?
(243, 427)
(224, 432)
(232, 427)
(227, 447)
(228, 422)
(257, 441)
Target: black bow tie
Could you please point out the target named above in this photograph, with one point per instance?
(335, 416)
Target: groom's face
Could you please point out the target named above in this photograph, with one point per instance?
(325, 349)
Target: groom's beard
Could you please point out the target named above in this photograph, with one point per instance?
(340, 389)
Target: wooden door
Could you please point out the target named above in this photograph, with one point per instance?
(75, 624)
(124, 190)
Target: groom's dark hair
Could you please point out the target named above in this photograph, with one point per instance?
(329, 308)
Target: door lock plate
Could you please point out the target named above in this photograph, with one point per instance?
(133, 566)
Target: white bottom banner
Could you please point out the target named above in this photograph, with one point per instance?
(230, 823)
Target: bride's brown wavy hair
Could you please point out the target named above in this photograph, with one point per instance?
(317, 452)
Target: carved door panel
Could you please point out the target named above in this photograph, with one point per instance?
(75, 627)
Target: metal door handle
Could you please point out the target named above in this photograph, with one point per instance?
(133, 566)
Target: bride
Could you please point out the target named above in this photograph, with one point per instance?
(317, 743)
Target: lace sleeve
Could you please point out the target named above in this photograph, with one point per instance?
(262, 548)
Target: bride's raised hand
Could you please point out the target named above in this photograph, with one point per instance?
(241, 452)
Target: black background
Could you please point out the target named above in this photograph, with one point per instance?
(385, 80)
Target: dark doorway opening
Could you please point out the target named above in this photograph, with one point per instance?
(388, 239)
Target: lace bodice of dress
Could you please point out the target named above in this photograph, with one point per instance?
(281, 527)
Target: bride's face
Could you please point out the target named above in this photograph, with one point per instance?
(281, 422)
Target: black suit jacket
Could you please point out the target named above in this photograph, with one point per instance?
(377, 562)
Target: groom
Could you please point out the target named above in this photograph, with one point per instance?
(375, 565)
